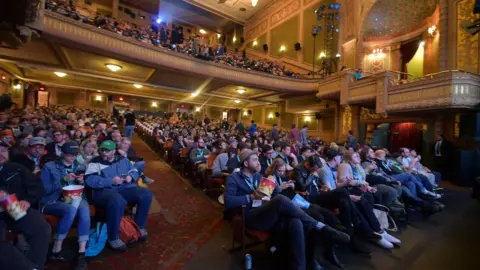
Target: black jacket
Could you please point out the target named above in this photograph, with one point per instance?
(30, 164)
(17, 179)
(264, 162)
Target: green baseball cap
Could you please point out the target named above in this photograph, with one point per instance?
(108, 145)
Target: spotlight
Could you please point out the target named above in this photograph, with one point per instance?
(159, 20)
(113, 67)
(60, 74)
(138, 86)
(337, 6)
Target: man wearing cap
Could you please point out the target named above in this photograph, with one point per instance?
(278, 214)
(34, 158)
(16, 179)
(111, 179)
(56, 175)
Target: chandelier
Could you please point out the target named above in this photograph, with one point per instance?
(254, 3)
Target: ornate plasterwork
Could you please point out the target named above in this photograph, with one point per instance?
(284, 12)
(346, 120)
(365, 114)
(362, 90)
(329, 86)
(467, 45)
(257, 30)
(61, 27)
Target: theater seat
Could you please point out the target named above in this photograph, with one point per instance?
(240, 233)
(219, 180)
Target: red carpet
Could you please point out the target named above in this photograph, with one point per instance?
(187, 221)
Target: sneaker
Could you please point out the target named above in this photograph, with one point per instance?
(434, 195)
(384, 243)
(143, 235)
(81, 263)
(390, 238)
(117, 245)
(221, 199)
(147, 180)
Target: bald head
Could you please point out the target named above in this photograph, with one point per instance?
(380, 154)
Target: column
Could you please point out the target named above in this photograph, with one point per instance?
(115, 8)
(300, 35)
(444, 38)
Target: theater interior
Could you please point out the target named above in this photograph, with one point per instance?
(396, 73)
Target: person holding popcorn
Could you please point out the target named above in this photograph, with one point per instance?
(55, 176)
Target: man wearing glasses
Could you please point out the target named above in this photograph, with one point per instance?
(54, 149)
(111, 179)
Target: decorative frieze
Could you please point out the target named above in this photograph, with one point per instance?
(285, 12)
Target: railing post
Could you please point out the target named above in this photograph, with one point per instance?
(384, 80)
(346, 79)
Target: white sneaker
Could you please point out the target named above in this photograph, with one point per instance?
(434, 195)
(384, 243)
(390, 238)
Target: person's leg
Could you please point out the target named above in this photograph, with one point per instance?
(114, 205)
(408, 181)
(338, 199)
(140, 166)
(424, 180)
(366, 209)
(438, 177)
(296, 240)
(142, 198)
(37, 232)
(83, 227)
(67, 213)
(388, 194)
(12, 258)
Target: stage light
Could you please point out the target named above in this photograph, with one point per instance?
(60, 74)
(159, 20)
(113, 67)
(138, 86)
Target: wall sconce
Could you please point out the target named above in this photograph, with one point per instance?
(308, 118)
(255, 43)
(322, 55)
(234, 39)
(270, 115)
(432, 30)
(98, 98)
(154, 104)
(376, 54)
(282, 48)
(219, 35)
(245, 113)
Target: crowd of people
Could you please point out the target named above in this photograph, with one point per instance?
(159, 35)
(343, 185)
(46, 149)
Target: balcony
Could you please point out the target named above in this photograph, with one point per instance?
(70, 31)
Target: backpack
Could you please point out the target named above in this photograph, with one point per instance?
(384, 218)
(129, 231)
(97, 240)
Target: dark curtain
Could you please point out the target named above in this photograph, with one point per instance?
(407, 51)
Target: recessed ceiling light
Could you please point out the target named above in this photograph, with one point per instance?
(203, 32)
(237, 101)
(194, 94)
(60, 74)
(113, 67)
(154, 104)
(241, 91)
(138, 86)
(99, 91)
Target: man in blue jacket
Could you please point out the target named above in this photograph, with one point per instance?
(112, 180)
(279, 214)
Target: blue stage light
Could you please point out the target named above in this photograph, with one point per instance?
(159, 20)
(337, 6)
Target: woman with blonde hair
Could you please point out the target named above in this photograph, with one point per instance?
(88, 150)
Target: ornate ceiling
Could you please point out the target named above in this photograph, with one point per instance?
(390, 17)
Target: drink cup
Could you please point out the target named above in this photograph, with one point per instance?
(12, 205)
(72, 191)
(267, 186)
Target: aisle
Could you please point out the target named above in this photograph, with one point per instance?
(180, 222)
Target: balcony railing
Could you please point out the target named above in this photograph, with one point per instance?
(66, 28)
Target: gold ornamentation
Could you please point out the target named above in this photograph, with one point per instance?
(287, 11)
(347, 120)
(366, 115)
(257, 30)
(467, 45)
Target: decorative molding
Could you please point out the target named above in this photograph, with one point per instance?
(287, 11)
(365, 114)
(65, 28)
(257, 30)
(346, 120)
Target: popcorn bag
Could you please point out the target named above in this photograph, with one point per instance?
(267, 186)
(72, 191)
(12, 205)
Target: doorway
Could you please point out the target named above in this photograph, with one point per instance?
(405, 134)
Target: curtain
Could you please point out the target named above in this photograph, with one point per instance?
(407, 52)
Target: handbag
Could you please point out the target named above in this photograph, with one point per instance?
(97, 240)
(383, 216)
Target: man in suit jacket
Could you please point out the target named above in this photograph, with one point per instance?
(266, 158)
(442, 153)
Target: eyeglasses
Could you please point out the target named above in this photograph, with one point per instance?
(102, 150)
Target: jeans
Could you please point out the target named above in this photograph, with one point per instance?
(424, 181)
(438, 177)
(67, 214)
(338, 199)
(409, 181)
(128, 131)
(385, 194)
(114, 203)
(282, 216)
(140, 166)
(37, 232)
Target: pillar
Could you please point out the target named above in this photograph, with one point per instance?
(300, 35)
(444, 37)
(115, 8)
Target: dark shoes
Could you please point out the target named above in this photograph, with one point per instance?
(334, 236)
(81, 263)
(331, 257)
(360, 248)
(64, 256)
(314, 265)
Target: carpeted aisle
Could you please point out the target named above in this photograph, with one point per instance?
(178, 225)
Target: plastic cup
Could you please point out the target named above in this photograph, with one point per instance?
(72, 191)
(266, 186)
(12, 205)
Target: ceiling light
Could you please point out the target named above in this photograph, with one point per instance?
(308, 119)
(254, 3)
(98, 98)
(219, 35)
(203, 32)
(237, 101)
(138, 86)
(197, 109)
(154, 104)
(282, 48)
(338, 55)
(113, 67)
(99, 91)
(194, 94)
(241, 91)
(60, 74)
